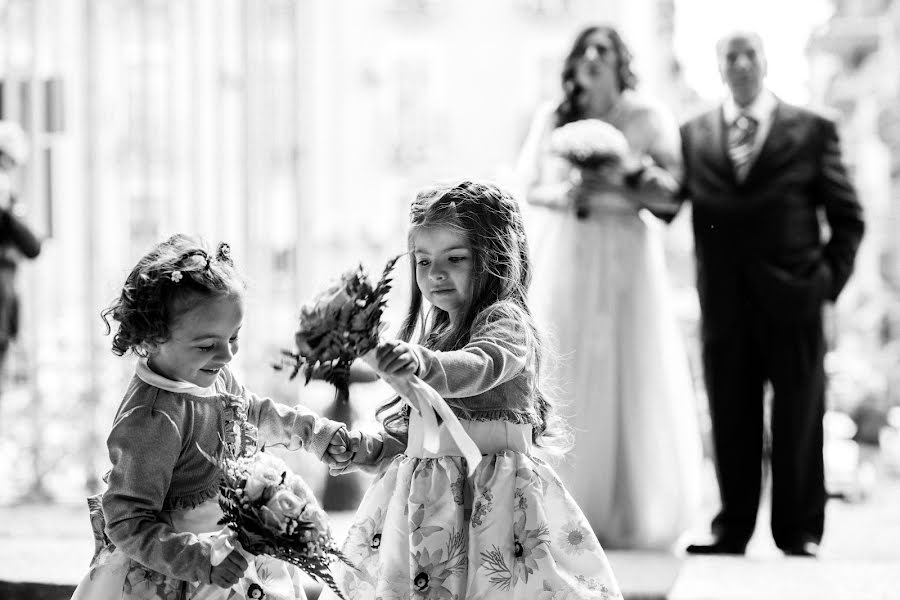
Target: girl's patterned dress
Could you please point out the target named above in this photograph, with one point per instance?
(510, 530)
(425, 530)
(113, 575)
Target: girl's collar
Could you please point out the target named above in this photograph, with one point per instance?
(148, 376)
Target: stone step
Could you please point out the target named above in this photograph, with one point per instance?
(785, 578)
(43, 568)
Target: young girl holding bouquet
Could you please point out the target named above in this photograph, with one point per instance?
(428, 528)
(180, 311)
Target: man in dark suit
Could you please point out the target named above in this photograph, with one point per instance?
(759, 173)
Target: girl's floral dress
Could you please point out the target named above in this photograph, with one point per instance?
(114, 576)
(425, 530)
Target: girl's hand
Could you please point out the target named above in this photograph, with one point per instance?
(339, 461)
(229, 571)
(342, 447)
(396, 357)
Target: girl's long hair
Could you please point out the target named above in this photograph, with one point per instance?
(572, 106)
(490, 220)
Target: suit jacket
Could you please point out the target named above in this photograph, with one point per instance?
(758, 242)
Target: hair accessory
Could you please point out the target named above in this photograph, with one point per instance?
(176, 276)
(223, 253)
(196, 252)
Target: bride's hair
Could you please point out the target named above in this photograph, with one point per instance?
(570, 109)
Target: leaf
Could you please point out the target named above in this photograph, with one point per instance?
(495, 564)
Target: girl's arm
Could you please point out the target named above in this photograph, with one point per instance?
(375, 449)
(279, 424)
(144, 445)
(497, 351)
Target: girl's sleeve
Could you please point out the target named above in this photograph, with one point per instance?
(279, 424)
(497, 351)
(144, 445)
(375, 450)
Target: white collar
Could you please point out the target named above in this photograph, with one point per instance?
(760, 109)
(150, 377)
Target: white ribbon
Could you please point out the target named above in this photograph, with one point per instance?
(424, 399)
(223, 543)
(268, 572)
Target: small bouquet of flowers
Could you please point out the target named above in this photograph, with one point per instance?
(343, 323)
(272, 511)
(590, 144)
(340, 325)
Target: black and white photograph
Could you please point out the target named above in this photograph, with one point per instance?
(449, 300)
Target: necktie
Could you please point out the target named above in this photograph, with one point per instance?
(741, 138)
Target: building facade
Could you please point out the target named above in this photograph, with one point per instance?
(855, 65)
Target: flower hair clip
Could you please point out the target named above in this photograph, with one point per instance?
(223, 253)
(176, 276)
(200, 253)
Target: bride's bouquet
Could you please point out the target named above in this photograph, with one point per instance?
(272, 511)
(590, 144)
(596, 149)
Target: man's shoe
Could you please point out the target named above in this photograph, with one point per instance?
(717, 547)
(808, 549)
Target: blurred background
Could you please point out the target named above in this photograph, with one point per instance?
(299, 130)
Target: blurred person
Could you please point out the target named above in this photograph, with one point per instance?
(16, 238)
(601, 286)
(434, 525)
(180, 311)
(757, 172)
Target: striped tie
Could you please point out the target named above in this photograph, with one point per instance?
(741, 137)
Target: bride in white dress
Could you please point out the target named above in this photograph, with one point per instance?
(600, 287)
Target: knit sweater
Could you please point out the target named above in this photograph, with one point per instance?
(157, 465)
(491, 377)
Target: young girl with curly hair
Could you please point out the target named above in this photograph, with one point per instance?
(180, 311)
